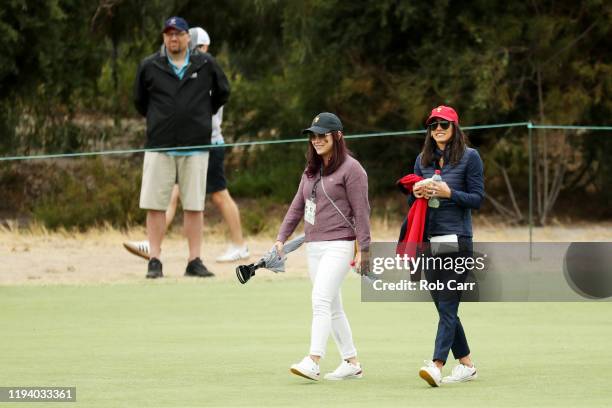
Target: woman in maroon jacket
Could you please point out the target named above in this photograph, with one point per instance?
(333, 201)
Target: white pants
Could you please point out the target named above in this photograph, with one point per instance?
(328, 264)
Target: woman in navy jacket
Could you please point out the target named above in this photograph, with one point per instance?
(460, 191)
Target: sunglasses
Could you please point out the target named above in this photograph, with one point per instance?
(444, 124)
(313, 136)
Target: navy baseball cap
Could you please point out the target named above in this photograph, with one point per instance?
(323, 123)
(177, 23)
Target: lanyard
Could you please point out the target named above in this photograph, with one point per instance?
(313, 193)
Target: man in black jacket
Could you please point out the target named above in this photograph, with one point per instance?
(177, 91)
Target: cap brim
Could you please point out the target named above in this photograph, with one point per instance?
(316, 129)
(441, 116)
(174, 27)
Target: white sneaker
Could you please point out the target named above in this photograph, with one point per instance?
(461, 373)
(138, 248)
(345, 371)
(307, 369)
(431, 373)
(234, 253)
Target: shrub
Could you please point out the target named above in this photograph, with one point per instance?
(95, 193)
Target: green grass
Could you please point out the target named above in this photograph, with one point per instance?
(196, 343)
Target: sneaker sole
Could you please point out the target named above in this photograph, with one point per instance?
(301, 374)
(350, 377)
(136, 252)
(427, 377)
(466, 379)
(240, 258)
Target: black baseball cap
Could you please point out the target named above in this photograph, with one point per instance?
(323, 123)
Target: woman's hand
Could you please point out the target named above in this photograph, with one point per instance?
(361, 262)
(420, 191)
(279, 248)
(439, 189)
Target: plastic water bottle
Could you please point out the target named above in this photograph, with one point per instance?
(434, 202)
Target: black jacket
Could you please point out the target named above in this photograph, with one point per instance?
(179, 112)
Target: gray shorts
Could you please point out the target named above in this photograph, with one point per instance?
(161, 171)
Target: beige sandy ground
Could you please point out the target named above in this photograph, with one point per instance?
(36, 256)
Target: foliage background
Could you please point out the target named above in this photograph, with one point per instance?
(67, 69)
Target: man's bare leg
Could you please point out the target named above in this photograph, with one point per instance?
(192, 225)
(156, 227)
(171, 211)
(228, 208)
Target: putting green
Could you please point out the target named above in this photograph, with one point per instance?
(198, 343)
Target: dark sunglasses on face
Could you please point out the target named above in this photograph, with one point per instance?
(314, 136)
(444, 124)
(176, 34)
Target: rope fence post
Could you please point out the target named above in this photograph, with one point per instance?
(530, 216)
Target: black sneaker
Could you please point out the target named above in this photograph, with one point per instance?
(155, 269)
(197, 268)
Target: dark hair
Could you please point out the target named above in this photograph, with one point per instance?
(454, 148)
(339, 153)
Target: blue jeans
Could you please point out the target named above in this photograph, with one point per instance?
(450, 334)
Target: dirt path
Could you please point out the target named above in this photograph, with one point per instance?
(40, 257)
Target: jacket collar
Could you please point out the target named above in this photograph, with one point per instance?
(196, 61)
(439, 154)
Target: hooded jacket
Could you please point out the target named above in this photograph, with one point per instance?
(179, 111)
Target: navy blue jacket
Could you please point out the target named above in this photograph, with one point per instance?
(466, 181)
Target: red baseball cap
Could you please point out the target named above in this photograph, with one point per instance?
(444, 112)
